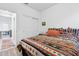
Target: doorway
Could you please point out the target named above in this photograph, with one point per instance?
(7, 30)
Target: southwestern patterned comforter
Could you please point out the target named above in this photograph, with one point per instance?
(64, 45)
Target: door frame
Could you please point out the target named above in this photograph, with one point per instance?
(13, 18)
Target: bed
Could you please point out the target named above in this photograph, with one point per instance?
(43, 45)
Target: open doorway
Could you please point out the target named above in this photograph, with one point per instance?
(7, 30)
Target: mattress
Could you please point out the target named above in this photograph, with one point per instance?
(53, 46)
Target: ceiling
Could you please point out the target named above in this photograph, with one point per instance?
(40, 6)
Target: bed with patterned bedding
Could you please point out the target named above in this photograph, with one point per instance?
(64, 45)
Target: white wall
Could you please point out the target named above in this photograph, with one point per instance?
(61, 15)
(5, 23)
(25, 26)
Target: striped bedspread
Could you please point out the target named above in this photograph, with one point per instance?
(53, 46)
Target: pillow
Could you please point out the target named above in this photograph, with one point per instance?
(61, 31)
(53, 33)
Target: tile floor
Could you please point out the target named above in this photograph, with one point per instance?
(9, 52)
(8, 48)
